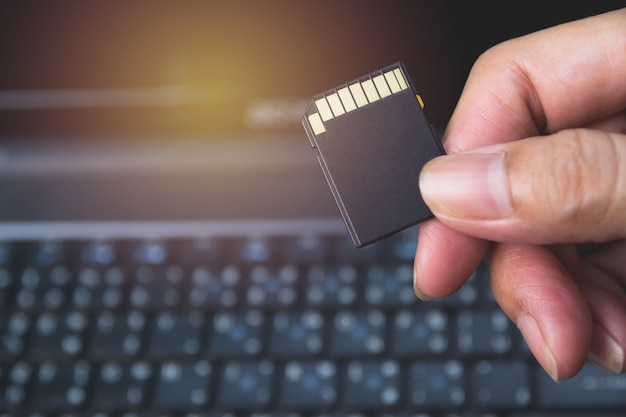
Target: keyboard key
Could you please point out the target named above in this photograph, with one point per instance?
(501, 385)
(117, 335)
(297, 334)
(49, 253)
(151, 253)
(420, 333)
(236, 335)
(211, 290)
(592, 388)
(14, 379)
(99, 289)
(43, 289)
(61, 386)
(255, 249)
(58, 336)
(331, 287)
(372, 385)
(26, 295)
(121, 385)
(358, 334)
(100, 253)
(246, 386)
(272, 289)
(390, 287)
(12, 331)
(175, 335)
(183, 385)
(308, 386)
(156, 288)
(437, 385)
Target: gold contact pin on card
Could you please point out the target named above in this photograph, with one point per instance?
(420, 101)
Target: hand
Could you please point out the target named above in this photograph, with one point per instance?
(552, 206)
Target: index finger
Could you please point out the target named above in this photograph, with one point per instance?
(562, 77)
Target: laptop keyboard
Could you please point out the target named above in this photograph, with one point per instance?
(264, 326)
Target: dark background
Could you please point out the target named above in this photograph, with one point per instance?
(477, 25)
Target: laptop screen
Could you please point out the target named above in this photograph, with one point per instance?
(190, 110)
(186, 68)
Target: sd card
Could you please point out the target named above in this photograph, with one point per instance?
(372, 139)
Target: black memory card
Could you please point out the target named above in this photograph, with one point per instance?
(372, 140)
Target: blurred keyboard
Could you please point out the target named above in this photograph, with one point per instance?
(264, 326)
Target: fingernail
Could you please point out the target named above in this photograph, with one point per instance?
(606, 352)
(418, 293)
(467, 185)
(532, 334)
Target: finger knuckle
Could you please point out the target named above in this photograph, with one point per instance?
(584, 180)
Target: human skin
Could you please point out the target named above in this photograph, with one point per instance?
(535, 180)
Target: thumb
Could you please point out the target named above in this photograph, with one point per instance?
(567, 187)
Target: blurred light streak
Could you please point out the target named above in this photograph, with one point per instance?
(172, 156)
(109, 97)
(167, 229)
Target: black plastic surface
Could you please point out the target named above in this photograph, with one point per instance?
(372, 158)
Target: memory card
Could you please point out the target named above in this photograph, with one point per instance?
(371, 140)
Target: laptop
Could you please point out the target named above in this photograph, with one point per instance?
(169, 246)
